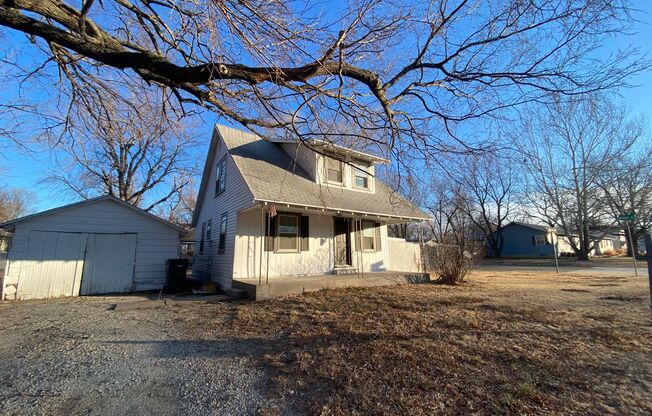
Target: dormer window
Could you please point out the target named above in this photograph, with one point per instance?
(220, 176)
(360, 176)
(334, 170)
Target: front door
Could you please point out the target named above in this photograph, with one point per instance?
(342, 242)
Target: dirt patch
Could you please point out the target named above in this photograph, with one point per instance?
(505, 343)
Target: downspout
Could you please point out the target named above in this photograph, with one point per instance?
(262, 243)
(361, 249)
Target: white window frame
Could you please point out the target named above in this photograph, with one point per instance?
(361, 170)
(327, 160)
(220, 177)
(280, 235)
(539, 240)
(224, 218)
(371, 229)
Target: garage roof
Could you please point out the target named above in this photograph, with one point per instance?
(12, 223)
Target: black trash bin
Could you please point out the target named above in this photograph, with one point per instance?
(175, 275)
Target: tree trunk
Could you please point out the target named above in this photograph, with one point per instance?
(582, 255)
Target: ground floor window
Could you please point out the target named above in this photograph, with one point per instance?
(288, 232)
(368, 236)
(222, 243)
(539, 240)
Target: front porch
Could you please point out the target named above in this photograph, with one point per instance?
(289, 285)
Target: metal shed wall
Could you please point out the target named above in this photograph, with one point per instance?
(155, 241)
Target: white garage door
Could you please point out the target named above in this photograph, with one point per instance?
(109, 264)
(52, 266)
(60, 264)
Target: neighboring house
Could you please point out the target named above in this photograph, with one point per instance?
(331, 216)
(525, 240)
(606, 242)
(188, 244)
(101, 245)
(529, 240)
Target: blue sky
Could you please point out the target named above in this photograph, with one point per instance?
(26, 170)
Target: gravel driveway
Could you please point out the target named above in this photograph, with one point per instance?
(74, 356)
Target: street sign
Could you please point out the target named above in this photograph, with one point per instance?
(627, 217)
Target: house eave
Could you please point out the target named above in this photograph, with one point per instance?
(342, 211)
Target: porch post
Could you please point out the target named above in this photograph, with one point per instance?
(269, 227)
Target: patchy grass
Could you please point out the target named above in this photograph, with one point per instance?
(506, 343)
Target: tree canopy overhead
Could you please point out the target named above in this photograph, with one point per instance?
(401, 75)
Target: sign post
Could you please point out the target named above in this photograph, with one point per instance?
(627, 218)
(552, 239)
(648, 249)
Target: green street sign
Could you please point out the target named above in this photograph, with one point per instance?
(627, 217)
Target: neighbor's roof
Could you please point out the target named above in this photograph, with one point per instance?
(543, 228)
(89, 201)
(272, 176)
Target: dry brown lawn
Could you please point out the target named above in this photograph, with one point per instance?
(504, 343)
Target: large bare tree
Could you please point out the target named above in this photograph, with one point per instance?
(567, 147)
(402, 75)
(453, 251)
(128, 147)
(627, 188)
(489, 183)
(14, 203)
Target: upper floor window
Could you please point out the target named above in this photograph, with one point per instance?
(360, 176)
(220, 176)
(333, 170)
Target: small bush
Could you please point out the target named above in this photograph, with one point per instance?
(451, 263)
(609, 252)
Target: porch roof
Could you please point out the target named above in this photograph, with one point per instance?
(273, 177)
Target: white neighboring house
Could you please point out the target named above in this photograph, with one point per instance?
(97, 246)
(331, 217)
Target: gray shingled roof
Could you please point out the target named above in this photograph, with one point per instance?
(272, 175)
(544, 228)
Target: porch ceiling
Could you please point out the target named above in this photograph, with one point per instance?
(333, 212)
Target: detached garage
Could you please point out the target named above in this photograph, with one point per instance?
(101, 245)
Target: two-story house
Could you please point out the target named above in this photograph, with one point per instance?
(270, 208)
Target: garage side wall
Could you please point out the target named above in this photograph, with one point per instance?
(156, 242)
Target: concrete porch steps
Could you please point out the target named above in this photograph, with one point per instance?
(344, 270)
(289, 285)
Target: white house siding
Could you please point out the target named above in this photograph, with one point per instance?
(404, 256)
(250, 261)
(156, 242)
(236, 195)
(304, 157)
